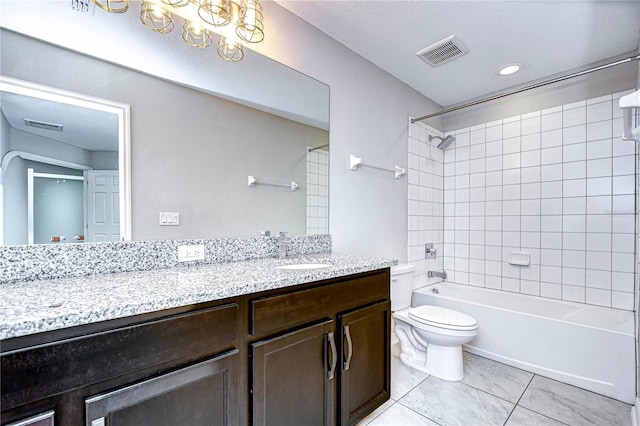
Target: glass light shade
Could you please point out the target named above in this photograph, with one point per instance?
(251, 27)
(196, 36)
(176, 3)
(230, 50)
(153, 16)
(112, 6)
(235, 12)
(214, 12)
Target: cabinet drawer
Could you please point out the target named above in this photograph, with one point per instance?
(204, 393)
(285, 310)
(42, 371)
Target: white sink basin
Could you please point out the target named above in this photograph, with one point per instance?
(304, 266)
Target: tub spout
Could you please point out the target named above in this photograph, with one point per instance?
(438, 274)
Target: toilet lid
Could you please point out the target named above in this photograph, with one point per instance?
(438, 316)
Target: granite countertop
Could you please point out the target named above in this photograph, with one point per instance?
(37, 306)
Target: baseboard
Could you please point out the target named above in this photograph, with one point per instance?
(635, 413)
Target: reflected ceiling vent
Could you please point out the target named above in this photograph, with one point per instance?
(43, 125)
(443, 51)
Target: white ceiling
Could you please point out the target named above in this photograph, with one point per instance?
(84, 128)
(548, 37)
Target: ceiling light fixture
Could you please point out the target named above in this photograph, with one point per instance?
(509, 69)
(236, 22)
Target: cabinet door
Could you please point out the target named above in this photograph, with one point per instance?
(293, 378)
(201, 394)
(366, 356)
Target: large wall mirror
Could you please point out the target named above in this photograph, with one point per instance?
(201, 130)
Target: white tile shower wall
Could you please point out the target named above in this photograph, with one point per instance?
(318, 192)
(558, 184)
(637, 276)
(425, 209)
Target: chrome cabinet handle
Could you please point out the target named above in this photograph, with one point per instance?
(347, 333)
(334, 356)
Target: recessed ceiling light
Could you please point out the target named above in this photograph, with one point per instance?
(509, 69)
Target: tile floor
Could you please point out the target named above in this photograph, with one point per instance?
(491, 393)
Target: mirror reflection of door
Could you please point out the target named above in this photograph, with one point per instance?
(103, 205)
(72, 208)
(56, 208)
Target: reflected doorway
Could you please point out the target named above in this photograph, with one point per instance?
(55, 208)
(72, 208)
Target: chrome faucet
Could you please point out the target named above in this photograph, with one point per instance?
(438, 274)
(282, 244)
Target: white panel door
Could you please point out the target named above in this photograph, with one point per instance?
(103, 205)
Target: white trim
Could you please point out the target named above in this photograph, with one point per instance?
(29, 206)
(635, 413)
(57, 176)
(41, 159)
(21, 87)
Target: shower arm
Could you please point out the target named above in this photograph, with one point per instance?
(524, 89)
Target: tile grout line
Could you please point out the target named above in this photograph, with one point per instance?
(521, 395)
(420, 414)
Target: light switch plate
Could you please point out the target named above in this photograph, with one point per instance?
(169, 219)
(190, 253)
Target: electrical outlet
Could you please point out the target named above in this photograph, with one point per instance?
(190, 253)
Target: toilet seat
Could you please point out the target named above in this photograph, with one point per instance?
(437, 316)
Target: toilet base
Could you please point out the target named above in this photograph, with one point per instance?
(443, 362)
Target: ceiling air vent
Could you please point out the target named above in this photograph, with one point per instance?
(443, 51)
(43, 125)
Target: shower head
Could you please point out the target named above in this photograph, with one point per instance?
(445, 142)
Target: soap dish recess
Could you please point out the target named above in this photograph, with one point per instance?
(520, 259)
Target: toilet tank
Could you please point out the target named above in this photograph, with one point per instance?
(401, 286)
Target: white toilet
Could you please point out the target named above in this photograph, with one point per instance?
(431, 337)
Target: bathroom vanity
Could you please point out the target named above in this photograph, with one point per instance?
(303, 350)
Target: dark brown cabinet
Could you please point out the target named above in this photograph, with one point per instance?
(293, 383)
(204, 394)
(315, 353)
(43, 419)
(64, 374)
(335, 370)
(365, 355)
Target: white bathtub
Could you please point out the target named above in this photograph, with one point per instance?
(587, 346)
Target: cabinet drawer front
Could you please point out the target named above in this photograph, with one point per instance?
(204, 393)
(44, 419)
(42, 371)
(286, 310)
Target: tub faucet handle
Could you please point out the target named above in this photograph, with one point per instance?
(429, 251)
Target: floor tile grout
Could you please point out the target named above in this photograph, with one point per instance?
(515, 405)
